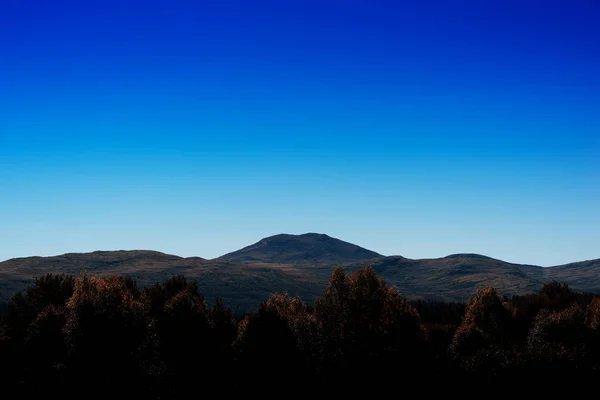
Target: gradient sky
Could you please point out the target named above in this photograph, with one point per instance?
(419, 128)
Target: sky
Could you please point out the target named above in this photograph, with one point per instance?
(415, 128)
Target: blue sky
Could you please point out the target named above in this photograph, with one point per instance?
(419, 128)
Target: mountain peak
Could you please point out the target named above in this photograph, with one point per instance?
(307, 248)
(469, 255)
(309, 235)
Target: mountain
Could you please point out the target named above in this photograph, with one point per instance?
(302, 265)
(309, 248)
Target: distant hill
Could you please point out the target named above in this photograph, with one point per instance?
(97, 261)
(309, 248)
(301, 265)
(16, 273)
(242, 286)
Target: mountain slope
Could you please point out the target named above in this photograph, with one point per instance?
(309, 248)
(583, 275)
(456, 277)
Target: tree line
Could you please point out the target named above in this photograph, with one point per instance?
(96, 336)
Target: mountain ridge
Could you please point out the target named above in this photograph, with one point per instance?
(302, 265)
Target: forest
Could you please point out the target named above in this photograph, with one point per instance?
(93, 337)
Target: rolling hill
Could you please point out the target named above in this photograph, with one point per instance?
(301, 265)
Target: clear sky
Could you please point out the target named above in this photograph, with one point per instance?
(420, 128)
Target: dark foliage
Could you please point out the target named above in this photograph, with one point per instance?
(108, 333)
(23, 308)
(95, 337)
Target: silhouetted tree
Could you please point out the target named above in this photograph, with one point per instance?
(22, 364)
(267, 345)
(184, 331)
(555, 296)
(223, 324)
(484, 344)
(44, 352)
(223, 333)
(155, 297)
(108, 334)
(556, 345)
(361, 320)
(23, 307)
